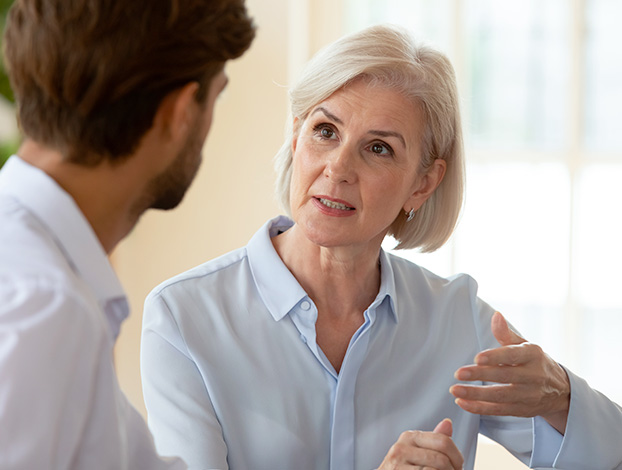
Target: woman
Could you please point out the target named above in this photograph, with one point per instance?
(312, 348)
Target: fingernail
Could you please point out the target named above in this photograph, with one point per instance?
(458, 392)
(463, 375)
(481, 360)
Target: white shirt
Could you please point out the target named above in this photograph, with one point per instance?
(229, 357)
(61, 307)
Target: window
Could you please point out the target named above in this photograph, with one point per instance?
(541, 88)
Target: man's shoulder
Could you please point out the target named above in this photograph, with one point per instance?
(35, 276)
(42, 305)
(26, 247)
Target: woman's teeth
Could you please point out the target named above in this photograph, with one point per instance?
(335, 205)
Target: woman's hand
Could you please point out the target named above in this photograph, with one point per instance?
(530, 383)
(430, 450)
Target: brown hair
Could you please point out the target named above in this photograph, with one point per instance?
(89, 75)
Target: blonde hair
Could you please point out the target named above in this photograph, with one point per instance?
(388, 56)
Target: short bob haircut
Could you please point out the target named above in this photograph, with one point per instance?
(388, 56)
(89, 75)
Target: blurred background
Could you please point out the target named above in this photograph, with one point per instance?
(541, 88)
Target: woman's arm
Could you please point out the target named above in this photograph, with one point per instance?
(181, 415)
(531, 384)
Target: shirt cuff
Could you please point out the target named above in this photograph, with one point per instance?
(547, 443)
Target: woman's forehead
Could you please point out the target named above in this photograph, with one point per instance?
(373, 104)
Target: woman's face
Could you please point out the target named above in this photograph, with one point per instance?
(356, 162)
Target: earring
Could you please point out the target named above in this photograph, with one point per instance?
(410, 215)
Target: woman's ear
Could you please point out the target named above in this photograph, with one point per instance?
(295, 132)
(426, 185)
(177, 112)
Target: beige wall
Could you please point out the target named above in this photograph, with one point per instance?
(233, 193)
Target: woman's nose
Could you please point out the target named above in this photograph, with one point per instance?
(341, 165)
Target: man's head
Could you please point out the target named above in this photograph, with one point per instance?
(89, 75)
(190, 124)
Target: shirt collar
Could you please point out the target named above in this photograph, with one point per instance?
(73, 234)
(387, 285)
(279, 289)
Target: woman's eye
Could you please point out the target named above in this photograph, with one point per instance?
(324, 131)
(380, 149)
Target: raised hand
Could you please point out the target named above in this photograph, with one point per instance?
(430, 450)
(527, 381)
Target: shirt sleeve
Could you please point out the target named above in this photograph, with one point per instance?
(592, 437)
(48, 356)
(60, 405)
(180, 413)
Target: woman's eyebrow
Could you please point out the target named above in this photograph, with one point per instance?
(379, 133)
(389, 134)
(328, 114)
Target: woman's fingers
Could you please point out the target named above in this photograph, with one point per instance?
(430, 450)
(445, 427)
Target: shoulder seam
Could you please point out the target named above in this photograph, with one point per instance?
(185, 276)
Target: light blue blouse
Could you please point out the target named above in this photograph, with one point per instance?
(234, 379)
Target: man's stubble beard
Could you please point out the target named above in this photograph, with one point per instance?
(166, 190)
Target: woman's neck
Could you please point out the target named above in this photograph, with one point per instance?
(346, 278)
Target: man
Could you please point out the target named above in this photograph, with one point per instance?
(115, 100)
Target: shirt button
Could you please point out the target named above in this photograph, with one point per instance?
(305, 305)
(303, 338)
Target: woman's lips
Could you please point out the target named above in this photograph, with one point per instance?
(333, 207)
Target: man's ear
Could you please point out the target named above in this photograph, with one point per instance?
(177, 111)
